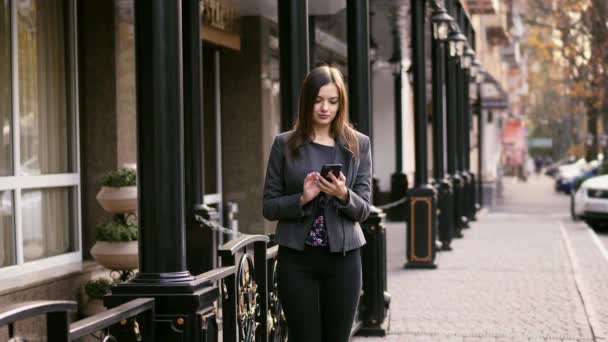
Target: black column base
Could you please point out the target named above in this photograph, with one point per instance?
(457, 205)
(445, 203)
(422, 209)
(399, 185)
(433, 183)
(179, 308)
(466, 198)
(163, 278)
(374, 330)
(473, 201)
(374, 308)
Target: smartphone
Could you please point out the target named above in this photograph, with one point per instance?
(334, 168)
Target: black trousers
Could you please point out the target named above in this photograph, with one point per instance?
(319, 292)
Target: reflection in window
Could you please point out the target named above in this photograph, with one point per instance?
(7, 229)
(44, 137)
(47, 216)
(6, 144)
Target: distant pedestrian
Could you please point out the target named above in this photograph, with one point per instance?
(538, 165)
(319, 236)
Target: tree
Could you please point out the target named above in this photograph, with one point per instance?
(568, 47)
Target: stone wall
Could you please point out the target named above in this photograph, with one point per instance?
(249, 122)
(98, 117)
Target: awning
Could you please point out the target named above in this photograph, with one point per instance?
(493, 95)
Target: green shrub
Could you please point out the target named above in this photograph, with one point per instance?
(121, 177)
(98, 288)
(113, 231)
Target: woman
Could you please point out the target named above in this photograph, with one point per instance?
(319, 236)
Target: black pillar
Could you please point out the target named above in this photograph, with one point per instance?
(398, 88)
(421, 202)
(200, 243)
(452, 110)
(470, 200)
(399, 181)
(437, 52)
(160, 169)
(462, 200)
(444, 188)
(471, 189)
(451, 114)
(480, 126)
(461, 141)
(293, 50)
(160, 132)
(419, 84)
(357, 17)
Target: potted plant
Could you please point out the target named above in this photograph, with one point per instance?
(118, 193)
(95, 290)
(116, 246)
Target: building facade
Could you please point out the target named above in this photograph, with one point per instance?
(68, 115)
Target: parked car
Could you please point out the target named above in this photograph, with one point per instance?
(569, 175)
(590, 202)
(567, 184)
(552, 169)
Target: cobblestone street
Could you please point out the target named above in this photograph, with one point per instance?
(522, 272)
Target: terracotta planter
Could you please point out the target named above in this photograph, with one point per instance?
(116, 255)
(93, 306)
(118, 200)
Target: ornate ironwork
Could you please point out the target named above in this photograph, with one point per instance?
(277, 324)
(248, 308)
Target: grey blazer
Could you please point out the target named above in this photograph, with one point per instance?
(283, 188)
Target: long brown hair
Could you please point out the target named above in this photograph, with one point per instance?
(340, 129)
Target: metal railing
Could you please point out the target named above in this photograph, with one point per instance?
(251, 310)
(140, 311)
(248, 298)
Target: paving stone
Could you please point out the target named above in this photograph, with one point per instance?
(510, 278)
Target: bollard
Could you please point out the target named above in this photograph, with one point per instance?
(422, 212)
(375, 300)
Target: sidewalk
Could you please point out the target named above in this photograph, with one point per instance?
(521, 273)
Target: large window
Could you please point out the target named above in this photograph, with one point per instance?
(39, 180)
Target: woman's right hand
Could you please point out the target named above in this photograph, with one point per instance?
(311, 188)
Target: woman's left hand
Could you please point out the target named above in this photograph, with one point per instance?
(335, 187)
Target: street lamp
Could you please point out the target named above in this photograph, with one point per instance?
(467, 58)
(479, 73)
(441, 24)
(457, 41)
(475, 68)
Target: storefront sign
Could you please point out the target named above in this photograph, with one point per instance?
(220, 24)
(220, 16)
